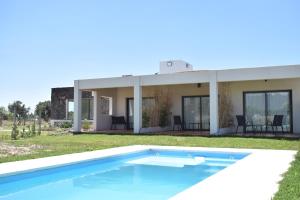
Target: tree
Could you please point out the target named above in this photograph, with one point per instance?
(43, 109)
(3, 114)
(21, 110)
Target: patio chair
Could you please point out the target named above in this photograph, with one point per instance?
(177, 123)
(277, 122)
(115, 121)
(241, 122)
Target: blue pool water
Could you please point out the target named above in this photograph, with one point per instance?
(147, 175)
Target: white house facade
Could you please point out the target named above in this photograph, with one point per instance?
(256, 93)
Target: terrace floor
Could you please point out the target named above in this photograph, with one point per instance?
(201, 133)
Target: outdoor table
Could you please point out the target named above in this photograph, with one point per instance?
(193, 125)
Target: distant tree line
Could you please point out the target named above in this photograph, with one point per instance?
(21, 112)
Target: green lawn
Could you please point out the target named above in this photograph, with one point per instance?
(57, 145)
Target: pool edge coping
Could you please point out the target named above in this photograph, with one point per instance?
(16, 167)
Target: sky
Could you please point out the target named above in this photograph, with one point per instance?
(51, 43)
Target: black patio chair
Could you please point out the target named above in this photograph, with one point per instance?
(241, 122)
(115, 121)
(177, 123)
(277, 122)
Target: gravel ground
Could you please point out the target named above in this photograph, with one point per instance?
(11, 150)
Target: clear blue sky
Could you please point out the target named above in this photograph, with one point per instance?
(49, 43)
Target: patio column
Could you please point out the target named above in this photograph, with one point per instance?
(77, 107)
(137, 121)
(214, 103)
(96, 110)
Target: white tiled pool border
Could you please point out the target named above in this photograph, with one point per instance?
(254, 177)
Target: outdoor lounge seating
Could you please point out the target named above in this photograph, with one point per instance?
(115, 121)
(177, 123)
(241, 122)
(277, 122)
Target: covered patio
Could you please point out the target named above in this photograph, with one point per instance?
(197, 97)
(126, 96)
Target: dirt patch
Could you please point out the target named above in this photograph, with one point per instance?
(11, 150)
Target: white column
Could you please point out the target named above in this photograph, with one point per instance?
(214, 103)
(77, 107)
(137, 121)
(96, 107)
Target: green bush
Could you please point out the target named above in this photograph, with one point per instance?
(146, 119)
(33, 131)
(163, 116)
(86, 125)
(66, 125)
(14, 132)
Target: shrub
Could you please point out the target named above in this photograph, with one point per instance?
(86, 125)
(14, 132)
(146, 119)
(160, 115)
(225, 107)
(40, 126)
(23, 133)
(163, 116)
(66, 125)
(33, 131)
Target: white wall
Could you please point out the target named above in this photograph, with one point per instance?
(236, 92)
(173, 66)
(176, 91)
(103, 120)
(197, 76)
(237, 89)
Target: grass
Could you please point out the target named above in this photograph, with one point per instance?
(57, 145)
(290, 185)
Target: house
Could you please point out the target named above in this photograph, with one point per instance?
(62, 105)
(206, 100)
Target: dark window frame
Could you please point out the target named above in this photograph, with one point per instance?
(290, 91)
(89, 109)
(182, 110)
(127, 110)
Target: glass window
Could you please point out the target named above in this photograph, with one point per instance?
(279, 104)
(196, 113)
(105, 105)
(205, 113)
(260, 108)
(255, 109)
(191, 112)
(70, 109)
(130, 111)
(87, 109)
(148, 103)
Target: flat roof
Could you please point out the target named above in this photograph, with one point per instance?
(195, 76)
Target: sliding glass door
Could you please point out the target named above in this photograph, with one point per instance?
(192, 112)
(129, 112)
(205, 115)
(278, 103)
(255, 109)
(195, 112)
(260, 108)
(147, 103)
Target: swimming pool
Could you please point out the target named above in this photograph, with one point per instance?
(155, 174)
